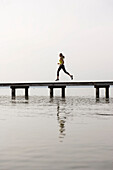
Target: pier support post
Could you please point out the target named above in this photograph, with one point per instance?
(14, 87)
(61, 87)
(26, 92)
(13, 92)
(107, 92)
(106, 87)
(97, 92)
(63, 92)
(51, 91)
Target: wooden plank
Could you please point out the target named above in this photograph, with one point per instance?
(102, 86)
(19, 86)
(57, 86)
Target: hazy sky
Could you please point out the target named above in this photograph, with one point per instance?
(34, 32)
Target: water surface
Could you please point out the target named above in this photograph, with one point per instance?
(56, 134)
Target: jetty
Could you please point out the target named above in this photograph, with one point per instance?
(61, 85)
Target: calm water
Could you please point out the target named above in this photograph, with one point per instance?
(56, 134)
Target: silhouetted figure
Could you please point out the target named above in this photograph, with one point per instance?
(61, 63)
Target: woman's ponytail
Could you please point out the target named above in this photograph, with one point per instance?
(61, 55)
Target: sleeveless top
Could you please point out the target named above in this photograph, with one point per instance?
(61, 61)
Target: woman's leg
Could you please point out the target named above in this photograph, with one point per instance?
(65, 70)
(58, 71)
(63, 67)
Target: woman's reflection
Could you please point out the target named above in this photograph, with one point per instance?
(61, 121)
(62, 114)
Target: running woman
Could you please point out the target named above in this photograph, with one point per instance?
(61, 66)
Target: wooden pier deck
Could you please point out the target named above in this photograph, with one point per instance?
(62, 85)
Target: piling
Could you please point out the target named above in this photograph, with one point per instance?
(26, 92)
(97, 92)
(63, 92)
(13, 93)
(107, 92)
(51, 91)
